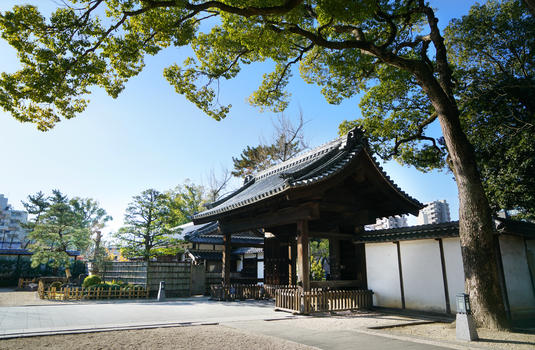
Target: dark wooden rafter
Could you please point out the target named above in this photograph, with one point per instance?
(307, 211)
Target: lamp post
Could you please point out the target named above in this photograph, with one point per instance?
(465, 328)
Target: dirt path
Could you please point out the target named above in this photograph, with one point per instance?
(198, 337)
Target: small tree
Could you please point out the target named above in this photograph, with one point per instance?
(56, 228)
(147, 231)
(288, 140)
(185, 201)
(94, 217)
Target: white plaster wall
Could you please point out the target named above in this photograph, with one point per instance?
(422, 275)
(260, 266)
(382, 272)
(454, 269)
(517, 277)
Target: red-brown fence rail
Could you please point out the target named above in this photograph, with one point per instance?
(295, 300)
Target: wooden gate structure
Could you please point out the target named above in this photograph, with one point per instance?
(330, 192)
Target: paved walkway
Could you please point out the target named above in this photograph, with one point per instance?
(253, 316)
(119, 314)
(329, 339)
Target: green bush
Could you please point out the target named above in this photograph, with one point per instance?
(91, 281)
(114, 286)
(104, 286)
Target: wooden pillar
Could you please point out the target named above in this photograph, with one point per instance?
(334, 259)
(226, 258)
(501, 276)
(292, 253)
(444, 276)
(303, 259)
(401, 289)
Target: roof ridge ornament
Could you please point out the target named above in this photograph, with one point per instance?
(353, 136)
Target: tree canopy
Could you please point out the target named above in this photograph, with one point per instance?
(147, 231)
(493, 49)
(57, 225)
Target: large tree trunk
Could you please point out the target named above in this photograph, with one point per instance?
(476, 228)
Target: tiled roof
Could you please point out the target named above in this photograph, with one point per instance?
(446, 229)
(306, 169)
(15, 251)
(515, 227)
(209, 234)
(210, 255)
(247, 250)
(218, 239)
(11, 245)
(442, 230)
(27, 252)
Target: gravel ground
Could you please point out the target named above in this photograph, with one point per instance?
(10, 298)
(349, 321)
(488, 338)
(196, 337)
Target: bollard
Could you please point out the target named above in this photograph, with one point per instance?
(161, 291)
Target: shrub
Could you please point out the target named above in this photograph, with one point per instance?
(91, 281)
(104, 286)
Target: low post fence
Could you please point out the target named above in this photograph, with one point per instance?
(67, 293)
(271, 288)
(24, 282)
(317, 300)
(237, 291)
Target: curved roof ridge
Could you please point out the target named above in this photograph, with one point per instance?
(391, 182)
(300, 157)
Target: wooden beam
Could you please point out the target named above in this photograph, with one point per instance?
(303, 259)
(226, 258)
(444, 276)
(331, 235)
(501, 276)
(276, 218)
(292, 257)
(402, 291)
(334, 258)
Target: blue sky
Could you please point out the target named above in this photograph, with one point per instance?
(151, 137)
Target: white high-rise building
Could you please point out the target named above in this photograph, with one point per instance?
(434, 213)
(389, 222)
(11, 232)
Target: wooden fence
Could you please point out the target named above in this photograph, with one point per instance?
(271, 288)
(246, 291)
(295, 300)
(237, 291)
(176, 275)
(24, 282)
(94, 293)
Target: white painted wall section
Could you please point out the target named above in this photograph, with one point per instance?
(260, 266)
(382, 272)
(422, 275)
(454, 269)
(517, 277)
